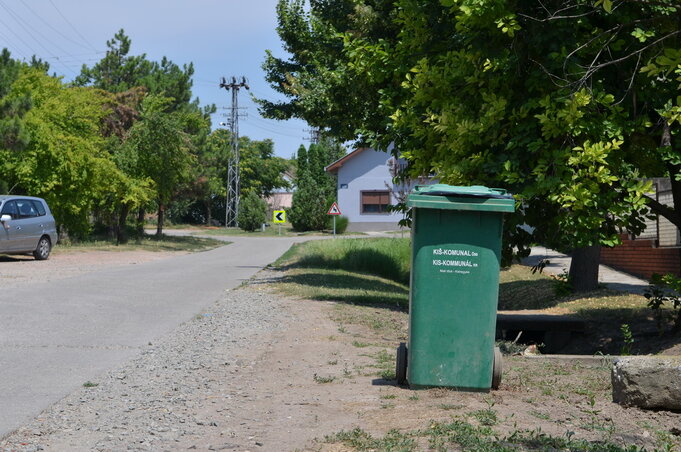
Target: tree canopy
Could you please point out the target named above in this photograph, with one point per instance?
(126, 135)
(569, 105)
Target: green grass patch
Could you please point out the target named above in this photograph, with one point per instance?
(272, 230)
(460, 435)
(322, 380)
(387, 258)
(147, 243)
(519, 288)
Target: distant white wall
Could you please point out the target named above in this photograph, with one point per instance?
(366, 171)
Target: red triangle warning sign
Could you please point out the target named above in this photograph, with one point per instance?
(334, 210)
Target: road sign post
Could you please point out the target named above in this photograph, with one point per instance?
(279, 217)
(335, 211)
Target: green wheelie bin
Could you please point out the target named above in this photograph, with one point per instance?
(454, 288)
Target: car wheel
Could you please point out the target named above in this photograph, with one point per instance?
(43, 249)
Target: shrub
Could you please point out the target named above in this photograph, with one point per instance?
(308, 211)
(341, 223)
(252, 212)
(665, 289)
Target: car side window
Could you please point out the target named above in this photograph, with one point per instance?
(26, 208)
(40, 208)
(10, 208)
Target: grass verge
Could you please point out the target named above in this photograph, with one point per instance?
(147, 243)
(387, 258)
(270, 231)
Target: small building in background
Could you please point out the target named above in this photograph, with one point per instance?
(282, 198)
(365, 189)
(656, 250)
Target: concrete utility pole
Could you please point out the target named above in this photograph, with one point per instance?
(233, 182)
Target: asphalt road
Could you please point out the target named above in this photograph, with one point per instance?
(56, 336)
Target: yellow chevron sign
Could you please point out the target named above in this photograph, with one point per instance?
(279, 216)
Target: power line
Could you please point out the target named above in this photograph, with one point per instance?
(18, 36)
(15, 48)
(19, 21)
(290, 135)
(72, 27)
(50, 25)
(18, 18)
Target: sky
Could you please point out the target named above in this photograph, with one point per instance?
(222, 38)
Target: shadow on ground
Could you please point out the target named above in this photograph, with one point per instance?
(343, 288)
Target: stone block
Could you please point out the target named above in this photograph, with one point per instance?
(647, 382)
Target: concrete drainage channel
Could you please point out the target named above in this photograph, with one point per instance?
(553, 331)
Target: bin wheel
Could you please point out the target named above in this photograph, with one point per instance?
(496, 368)
(401, 364)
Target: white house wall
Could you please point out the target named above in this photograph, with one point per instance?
(365, 172)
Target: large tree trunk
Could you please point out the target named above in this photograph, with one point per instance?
(121, 231)
(161, 219)
(584, 268)
(209, 214)
(140, 222)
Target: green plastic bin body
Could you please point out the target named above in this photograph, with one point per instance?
(454, 288)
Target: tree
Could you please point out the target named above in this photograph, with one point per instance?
(118, 72)
(252, 212)
(130, 77)
(468, 91)
(315, 189)
(162, 149)
(260, 170)
(13, 134)
(320, 84)
(65, 161)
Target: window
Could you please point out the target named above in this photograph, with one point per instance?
(26, 208)
(374, 202)
(9, 208)
(40, 208)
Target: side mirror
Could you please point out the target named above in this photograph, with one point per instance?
(5, 218)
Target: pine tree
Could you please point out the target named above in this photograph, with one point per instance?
(316, 189)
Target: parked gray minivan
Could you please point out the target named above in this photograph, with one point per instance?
(26, 226)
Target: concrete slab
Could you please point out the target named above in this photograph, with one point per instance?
(611, 278)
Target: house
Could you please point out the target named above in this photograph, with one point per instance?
(282, 197)
(365, 189)
(656, 250)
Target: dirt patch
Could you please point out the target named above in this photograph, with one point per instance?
(18, 270)
(318, 381)
(323, 376)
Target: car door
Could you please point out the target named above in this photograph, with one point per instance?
(4, 236)
(11, 230)
(27, 227)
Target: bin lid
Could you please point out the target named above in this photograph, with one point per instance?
(450, 197)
